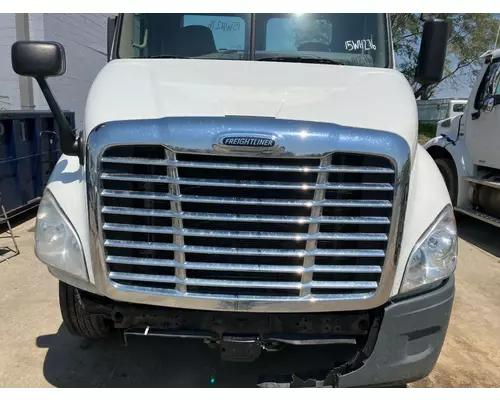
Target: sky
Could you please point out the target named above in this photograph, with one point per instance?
(462, 90)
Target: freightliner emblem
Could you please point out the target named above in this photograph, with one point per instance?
(247, 143)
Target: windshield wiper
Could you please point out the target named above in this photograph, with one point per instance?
(228, 51)
(302, 59)
(165, 56)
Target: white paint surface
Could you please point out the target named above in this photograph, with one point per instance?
(352, 96)
(463, 165)
(67, 184)
(426, 199)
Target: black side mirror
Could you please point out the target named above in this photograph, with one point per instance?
(432, 52)
(38, 59)
(111, 34)
(41, 60)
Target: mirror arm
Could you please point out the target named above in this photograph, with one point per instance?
(70, 144)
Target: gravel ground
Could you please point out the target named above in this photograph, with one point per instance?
(37, 351)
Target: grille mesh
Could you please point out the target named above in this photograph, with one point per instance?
(223, 225)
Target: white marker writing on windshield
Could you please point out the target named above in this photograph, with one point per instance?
(363, 44)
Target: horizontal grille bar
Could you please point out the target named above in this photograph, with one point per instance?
(246, 284)
(362, 269)
(130, 244)
(246, 184)
(244, 234)
(243, 218)
(247, 167)
(129, 194)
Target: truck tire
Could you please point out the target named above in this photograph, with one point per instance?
(77, 321)
(447, 168)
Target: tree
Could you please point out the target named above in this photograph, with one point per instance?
(471, 35)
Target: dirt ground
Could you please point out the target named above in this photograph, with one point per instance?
(37, 351)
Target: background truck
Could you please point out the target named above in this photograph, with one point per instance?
(468, 153)
(434, 116)
(236, 184)
(440, 109)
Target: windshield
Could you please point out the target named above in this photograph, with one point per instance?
(350, 39)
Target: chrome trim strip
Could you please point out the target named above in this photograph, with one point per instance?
(244, 234)
(129, 194)
(130, 244)
(252, 284)
(306, 342)
(245, 184)
(243, 218)
(246, 167)
(368, 269)
(72, 280)
(246, 303)
(197, 135)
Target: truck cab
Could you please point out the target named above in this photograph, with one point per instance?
(440, 109)
(236, 183)
(467, 154)
(456, 107)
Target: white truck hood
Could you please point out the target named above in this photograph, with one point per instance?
(372, 98)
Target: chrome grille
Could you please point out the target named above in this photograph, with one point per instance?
(222, 225)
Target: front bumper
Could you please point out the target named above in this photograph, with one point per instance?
(409, 341)
(402, 348)
(407, 347)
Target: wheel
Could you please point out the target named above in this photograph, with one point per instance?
(447, 168)
(77, 321)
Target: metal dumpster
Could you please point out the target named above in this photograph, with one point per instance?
(29, 149)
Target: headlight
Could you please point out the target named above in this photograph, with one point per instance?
(56, 242)
(434, 257)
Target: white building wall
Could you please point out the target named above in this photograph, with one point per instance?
(84, 39)
(10, 98)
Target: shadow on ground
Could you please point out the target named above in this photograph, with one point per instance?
(17, 220)
(7, 253)
(479, 234)
(7, 246)
(152, 362)
(160, 362)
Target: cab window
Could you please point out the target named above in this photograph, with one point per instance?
(458, 107)
(488, 85)
(317, 33)
(228, 31)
